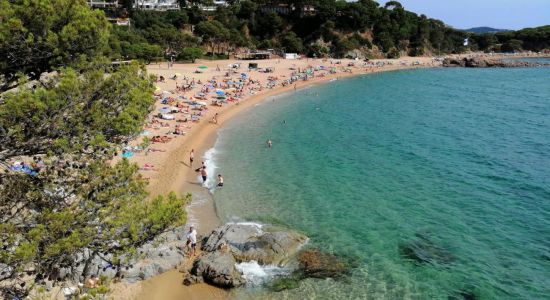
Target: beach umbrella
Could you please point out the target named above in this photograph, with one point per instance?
(220, 92)
(202, 103)
(243, 75)
(230, 82)
(164, 110)
(203, 67)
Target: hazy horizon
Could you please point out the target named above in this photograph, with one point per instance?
(501, 14)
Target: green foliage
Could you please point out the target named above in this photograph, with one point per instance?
(317, 50)
(291, 43)
(393, 53)
(512, 46)
(213, 33)
(75, 111)
(94, 205)
(40, 35)
(191, 54)
(75, 119)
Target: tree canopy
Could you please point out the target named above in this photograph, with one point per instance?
(66, 112)
(38, 36)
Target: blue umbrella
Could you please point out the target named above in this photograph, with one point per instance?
(243, 74)
(230, 82)
(220, 92)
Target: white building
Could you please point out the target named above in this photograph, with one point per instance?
(156, 5)
(102, 3)
(215, 6)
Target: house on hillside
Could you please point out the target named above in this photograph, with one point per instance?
(285, 8)
(103, 4)
(158, 5)
(213, 7)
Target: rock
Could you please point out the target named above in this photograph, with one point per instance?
(218, 268)
(285, 283)
(189, 279)
(5, 271)
(481, 62)
(249, 242)
(463, 295)
(317, 264)
(424, 250)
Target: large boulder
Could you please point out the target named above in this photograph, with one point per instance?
(317, 264)
(247, 242)
(218, 268)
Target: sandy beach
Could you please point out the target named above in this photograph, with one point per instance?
(168, 168)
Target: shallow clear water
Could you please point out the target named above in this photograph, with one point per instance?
(361, 165)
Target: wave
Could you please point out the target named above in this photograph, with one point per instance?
(211, 168)
(256, 274)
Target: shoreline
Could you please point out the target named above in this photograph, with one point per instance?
(178, 176)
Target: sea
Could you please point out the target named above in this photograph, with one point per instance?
(452, 163)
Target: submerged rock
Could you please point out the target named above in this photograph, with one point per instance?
(317, 264)
(424, 250)
(463, 295)
(285, 283)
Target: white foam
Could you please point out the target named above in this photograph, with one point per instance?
(254, 274)
(209, 161)
(253, 224)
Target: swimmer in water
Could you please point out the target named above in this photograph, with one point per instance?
(269, 143)
(220, 180)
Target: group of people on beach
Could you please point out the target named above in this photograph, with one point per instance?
(202, 169)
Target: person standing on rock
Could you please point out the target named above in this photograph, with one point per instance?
(192, 240)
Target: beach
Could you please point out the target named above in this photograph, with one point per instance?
(168, 169)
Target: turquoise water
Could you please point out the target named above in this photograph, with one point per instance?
(361, 165)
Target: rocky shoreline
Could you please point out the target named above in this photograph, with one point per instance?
(232, 244)
(217, 264)
(480, 62)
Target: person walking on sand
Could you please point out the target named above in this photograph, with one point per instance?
(191, 157)
(192, 240)
(204, 174)
(269, 143)
(220, 180)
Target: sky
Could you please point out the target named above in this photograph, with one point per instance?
(501, 14)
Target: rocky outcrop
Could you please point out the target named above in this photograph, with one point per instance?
(317, 264)
(153, 258)
(480, 62)
(249, 242)
(218, 268)
(235, 243)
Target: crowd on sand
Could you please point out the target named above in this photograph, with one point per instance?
(190, 99)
